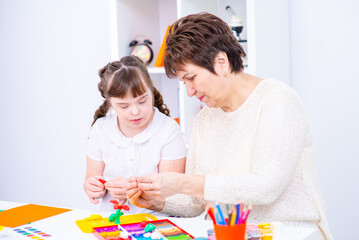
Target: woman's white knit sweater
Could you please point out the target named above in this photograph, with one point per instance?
(262, 153)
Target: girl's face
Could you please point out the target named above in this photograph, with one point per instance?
(133, 114)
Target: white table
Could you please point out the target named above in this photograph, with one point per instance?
(63, 226)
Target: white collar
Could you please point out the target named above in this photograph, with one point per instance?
(117, 137)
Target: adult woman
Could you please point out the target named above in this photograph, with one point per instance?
(252, 141)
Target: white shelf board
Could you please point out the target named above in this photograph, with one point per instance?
(156, 70)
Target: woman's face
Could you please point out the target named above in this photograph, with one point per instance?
(134, 114)
(205, 85)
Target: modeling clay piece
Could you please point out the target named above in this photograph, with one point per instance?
(143, 224)
(149, 227)
(114, 201)
(94, 217)
(103, 181)
(147, 235)
(115, 217)
(124, 236)
(156, 235)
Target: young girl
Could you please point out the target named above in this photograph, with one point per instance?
(137, 140)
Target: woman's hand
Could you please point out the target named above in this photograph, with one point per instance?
(162, 184)
(94, 189)
(141, 199)
(117, 188)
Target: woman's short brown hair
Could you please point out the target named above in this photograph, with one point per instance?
(197, 39)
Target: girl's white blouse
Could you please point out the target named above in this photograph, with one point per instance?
(137, 156)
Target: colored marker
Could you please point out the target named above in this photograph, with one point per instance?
(222, 220)
(218, 221)
(249, 210)
(238, 212)
(241, 217)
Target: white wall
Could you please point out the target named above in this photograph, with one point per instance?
(324, 67)
(268, 39)
(49, 55)
(50, 52)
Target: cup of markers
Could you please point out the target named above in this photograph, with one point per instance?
(228, 232)
(233, 227)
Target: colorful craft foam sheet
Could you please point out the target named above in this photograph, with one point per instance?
(29, 233)
(96, 221)
(168, 230)
(25, 214)
(107, 233)
(137, 232)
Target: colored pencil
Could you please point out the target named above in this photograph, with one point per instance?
(230, 215)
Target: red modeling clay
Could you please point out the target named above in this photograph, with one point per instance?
(125, 207)
(103, 181)
(113, 201)
(143, 224)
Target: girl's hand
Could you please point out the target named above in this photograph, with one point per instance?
(161, 185)
(94, 189)
(117, 188)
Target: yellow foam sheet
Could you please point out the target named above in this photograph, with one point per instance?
(28, 213)
(87, 224)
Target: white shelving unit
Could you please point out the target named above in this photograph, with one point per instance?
(266, 29)
(156, 70)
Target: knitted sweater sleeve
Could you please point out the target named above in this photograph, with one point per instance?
(182, 205)
(278, 143)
